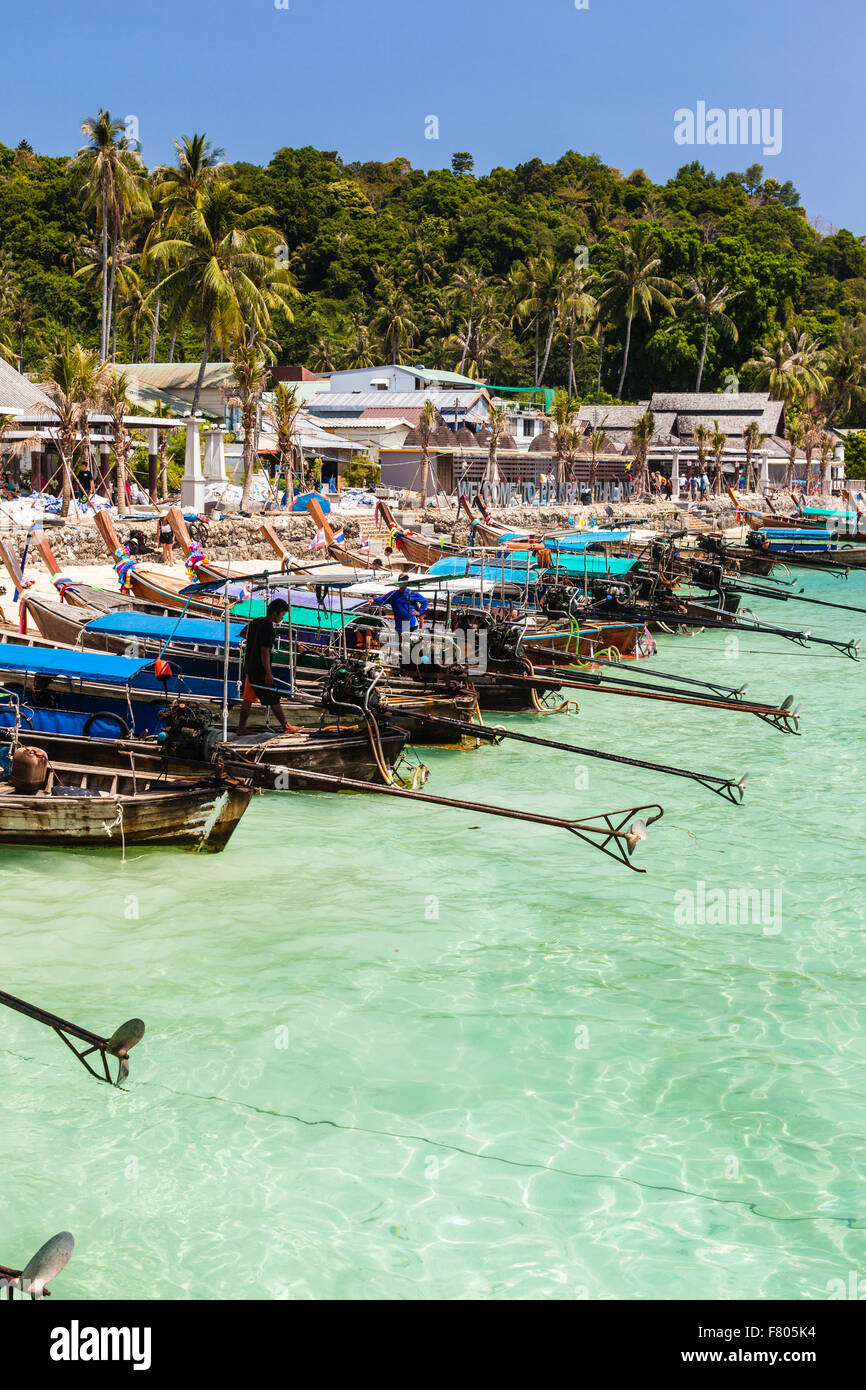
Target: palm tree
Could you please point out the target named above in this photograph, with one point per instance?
(496, 425)
(597, 442)
(796, 431)
(7, 350)
(110, 172)
(116, 401)
(181, 187)
(579, 307)
(632, 288)
(641, 439)
(161, 410)
(282, 412)
(70, 368)
(702, 436)
(708, 298)
(250, 376)
(135, 315)
(846, 373)
(813, 430)
(546, 302)
(465, 287)
(520, 293)
(223, 272)
(23, 316)
(563, 413)
(719, 442)
(791, 366)
(752, 441)
(393, 320)
(427, 422)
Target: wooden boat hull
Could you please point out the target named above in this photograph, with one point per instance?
(344, 752)
(591, 639)
(200, 816)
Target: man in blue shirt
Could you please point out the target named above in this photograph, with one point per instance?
(406, 604)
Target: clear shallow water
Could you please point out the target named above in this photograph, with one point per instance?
(404, 1053)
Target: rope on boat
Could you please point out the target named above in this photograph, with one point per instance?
(118, 821)
(563, 707)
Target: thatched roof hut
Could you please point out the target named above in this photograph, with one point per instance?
(507, 441)
(443, 437)
(542, 444)
(465, 438)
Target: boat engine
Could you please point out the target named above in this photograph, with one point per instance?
(351, 686)
(556, 599)
(188, 733)
(503, 641)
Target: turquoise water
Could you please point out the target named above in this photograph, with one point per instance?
(397, 1052)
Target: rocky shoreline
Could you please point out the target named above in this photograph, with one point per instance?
(239, 538)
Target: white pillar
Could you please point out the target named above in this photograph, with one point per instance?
(675, 473)
(214, 456)
(192, 487)
(765, 472)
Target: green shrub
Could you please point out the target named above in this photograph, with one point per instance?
(855, 454)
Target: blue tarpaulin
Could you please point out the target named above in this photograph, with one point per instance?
(83, 665)
(131, 624)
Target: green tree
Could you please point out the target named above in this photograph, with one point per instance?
(110, 173)
(222, 270)
(632, 287)
(706, 296)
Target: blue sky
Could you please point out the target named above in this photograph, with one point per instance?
(507, 80)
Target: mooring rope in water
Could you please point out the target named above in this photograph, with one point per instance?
(118, 821)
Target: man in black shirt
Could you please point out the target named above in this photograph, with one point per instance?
(259, 684)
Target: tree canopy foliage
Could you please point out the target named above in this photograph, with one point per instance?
(516, 274)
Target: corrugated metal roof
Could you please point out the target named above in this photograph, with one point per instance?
(365, 421)
(344, 402)
(17, 393)
(176, 376)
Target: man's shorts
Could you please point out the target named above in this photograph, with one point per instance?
(260, 694)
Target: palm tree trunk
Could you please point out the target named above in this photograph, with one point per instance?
(154, 332)
(111, 311)
(204, 360)
(466, 343)
(624, 359)
(249, 457)
(703, 354)
(163, 466)
(103, 341)
(120, 465)
(600, 358)
(536, 382)
(171, 344)
(66, 447)
(572, 385)
(547, 350)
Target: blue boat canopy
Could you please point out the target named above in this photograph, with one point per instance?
(80, 665)
(580, 540)
(161, 629)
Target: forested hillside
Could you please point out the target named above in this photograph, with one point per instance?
(526, 275)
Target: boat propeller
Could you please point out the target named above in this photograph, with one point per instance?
(40, 1269)
(119, 1045)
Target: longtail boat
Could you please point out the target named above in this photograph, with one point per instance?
(162, 591)
(83, 806)
(419, 550)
